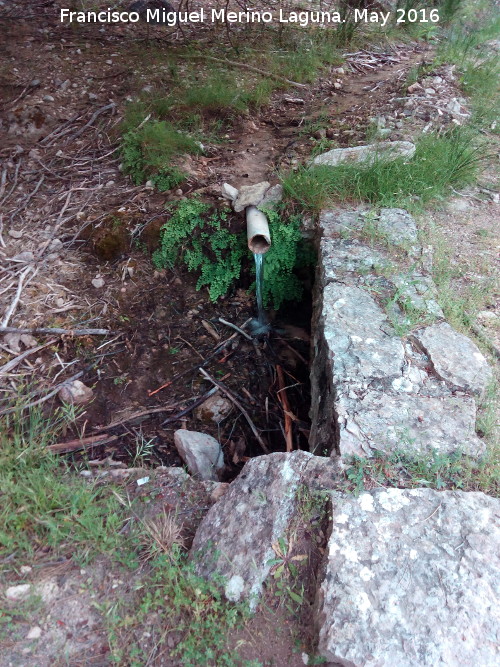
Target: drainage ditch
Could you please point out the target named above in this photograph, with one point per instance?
(174, 336)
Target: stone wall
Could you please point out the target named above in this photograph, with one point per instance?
(388, 373)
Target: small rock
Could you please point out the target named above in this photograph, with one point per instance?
(228, 192)
(25, 256)
(76, 393)
(415, 87)
(250, 195)
(48, 98)
(220, 490)
(486, 315)
(150, 185)
(388, 150)
(34, 633)
(430, 91)
(92, 97)
(337, 85)
(98, 282)
(200, 452)
(15, 233)
(273, 196)
(454, 106)
(215, 409)
(55, 245)
(320, 134)
(65, 84)
(35, 83)
(179, 192)
(19, 592)
(25, 569)
(28, 340)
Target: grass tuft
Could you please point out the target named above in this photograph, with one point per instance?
(43, 505)
(440, 161)
(434, 470)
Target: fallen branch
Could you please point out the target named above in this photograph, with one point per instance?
(235, 63)
(233, 326)
(234, 400)
(136, 415)
(92, 119)
(13, 362)
(81, 443)
(15, 301)
(48, 330)
(283, 399)
(193, 405)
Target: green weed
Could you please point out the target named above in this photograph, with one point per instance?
(42, 503)
(440, 161)
(288, 252)
(186, 617)
(434, 470)
(148, 150)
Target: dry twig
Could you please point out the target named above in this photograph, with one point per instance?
(234, 400)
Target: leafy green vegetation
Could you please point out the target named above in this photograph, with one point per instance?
(440, 161)
(185, 615)
(434, 470)
(148, 150)
(196, 237)
(288, 252)
(200, 238)
(42, 504)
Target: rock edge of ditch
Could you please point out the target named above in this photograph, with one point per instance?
(373, 389)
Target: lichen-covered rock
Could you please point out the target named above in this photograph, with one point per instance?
(455, 357)
(200, 452)
(401, 420)
(411, 578)
(236, 536)
(384, 150)
(398, 226)
(358, 335)
(394, 225)
(371, 389)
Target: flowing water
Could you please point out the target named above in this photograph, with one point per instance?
(259, 282)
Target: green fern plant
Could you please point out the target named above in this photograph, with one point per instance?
(194, 235)
(199, 238)
(287, 253)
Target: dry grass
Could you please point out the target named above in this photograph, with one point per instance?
(161, 534)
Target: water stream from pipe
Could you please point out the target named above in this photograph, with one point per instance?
(259, 282)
